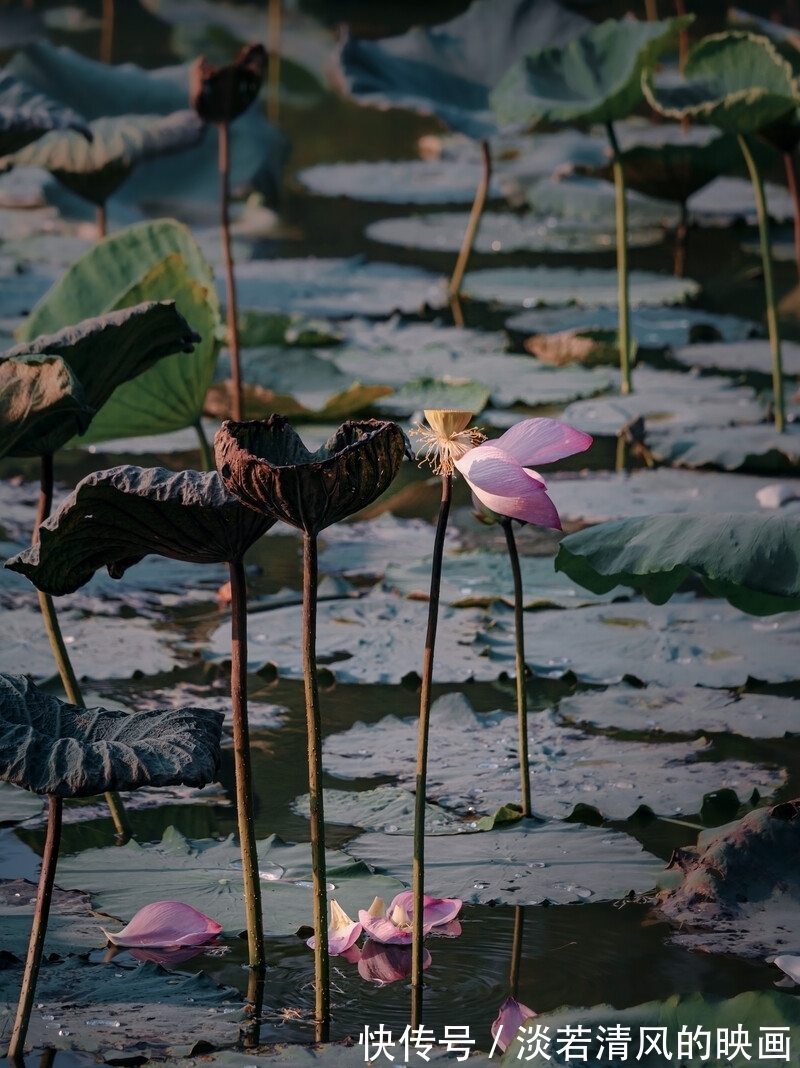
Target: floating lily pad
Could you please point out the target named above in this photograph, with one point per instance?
(365, 548)
(336, 287)
(752, 560)
(653, 328)
(207, 874)
(427, 393)
(739, 356)
(525, 863)
(728, 198)
(476, 769)
(528, 287)
(444, 232)
(741, 887)
(71, 924)
(17, 804)
(479, 578)
(678, 710)
(590, 202)
(387, 808)
(399, 182)
(756, 447)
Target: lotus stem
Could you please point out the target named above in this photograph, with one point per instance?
(418, 878)
(622, 260)
(107, 32)
(769, 290)
(241, 759)
(621, 462)
(44, 895)
(322, 1003)
(681, 242)
(683, 43)
(454, 288)
(516, 950)
(790, 162)
(52, 627)
(651, 10)
(100, 221)
(274, 52)
(251, 1031)
(206, 455)
(522, 690)
(230, 282)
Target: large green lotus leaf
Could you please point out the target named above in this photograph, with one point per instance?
(726, 199)
(736, 81)
(114, 518)
(36, 390)
(96, 90)
(139, 336)
(426, 393)
(26, 115)
(667, 399)
(479, 578)
(116, 1010)
(337, 288)
(399, 182)
(695, 1015)
(753, 561)
(386, 808)
(757, 447)
(528, 287)
(590, 202)
(476, 769)
(678, 710)
(444, 232)
(739, 356)
(604, 495)
(653, 328)
(525, 863)
(594, 78)
(207, 874)
(95, 169)
(17, 805)
(70, 926)
(740, 891)
(52, 747)
(375, 639)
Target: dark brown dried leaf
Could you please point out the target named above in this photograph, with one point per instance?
(221, 94)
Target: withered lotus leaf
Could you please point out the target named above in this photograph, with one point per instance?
(51, 747)
(221, 94)
(34, 388)
(114, 518)
(266, 465)
(26, 115)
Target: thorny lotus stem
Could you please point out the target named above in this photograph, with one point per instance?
(274, 52)
(250, 1032)
(522, 691)
(66, 671)
(206, 455)
(622, 261)
(482, 192)
(516, 950)
(790, 162)
(422, 754)
(322, 1002)
(769, 290)
(241, 759)
(681, 241)
(107, 32)
(44, 895)
(230, 281)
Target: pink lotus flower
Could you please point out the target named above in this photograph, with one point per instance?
(342, 932)
(392, 926)
(497, 471)
(163, 924)
(511, 1017)
(386, 964)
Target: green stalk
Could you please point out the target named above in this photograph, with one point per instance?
(227, 256)
(241, 759)
(468, 241)
(44, 895)
(522, 691)
(322, 1002)
(622, 261)
(206, 455)
(769, 290)
(422, 754)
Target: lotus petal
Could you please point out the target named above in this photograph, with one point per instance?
(342, 932)
(541, 441)
(164, 924)
(383, 930)
(506, 488)
(511, 1017)
(436, 911)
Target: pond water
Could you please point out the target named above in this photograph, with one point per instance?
(585, 953)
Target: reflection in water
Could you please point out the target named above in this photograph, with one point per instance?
(383, 964)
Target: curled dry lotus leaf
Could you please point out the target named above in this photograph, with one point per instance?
(26, 115)
(95, 169)
(52, 747)
(114, 518)
(36, 389)
(266, 465)
(139, 337)
(221, 94)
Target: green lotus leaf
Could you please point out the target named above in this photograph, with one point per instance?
(753, 561)
(51, 747)
(114, 518)
(95, 169)
(138, 337)
(151, 261)
(754, 447)
(436, 393)
(26, 115)
(594, 78)
(531, 286)
(35, 390)
(736, 81)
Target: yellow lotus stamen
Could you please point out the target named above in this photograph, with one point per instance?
(446, 439)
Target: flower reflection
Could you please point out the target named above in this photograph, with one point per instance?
(383, 964)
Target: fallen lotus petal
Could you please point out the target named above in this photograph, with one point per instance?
(436, 911)
(382, 963)
(166, 923)
(511, 1017)
(789, 964)
(342, 932)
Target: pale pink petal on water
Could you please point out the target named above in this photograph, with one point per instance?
(511, 1017)
(166, 923)
(541, 441)
(435, 910)
(383, 930)
(386, 964)
(533, 508)
(342, 931)
(451, 929)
